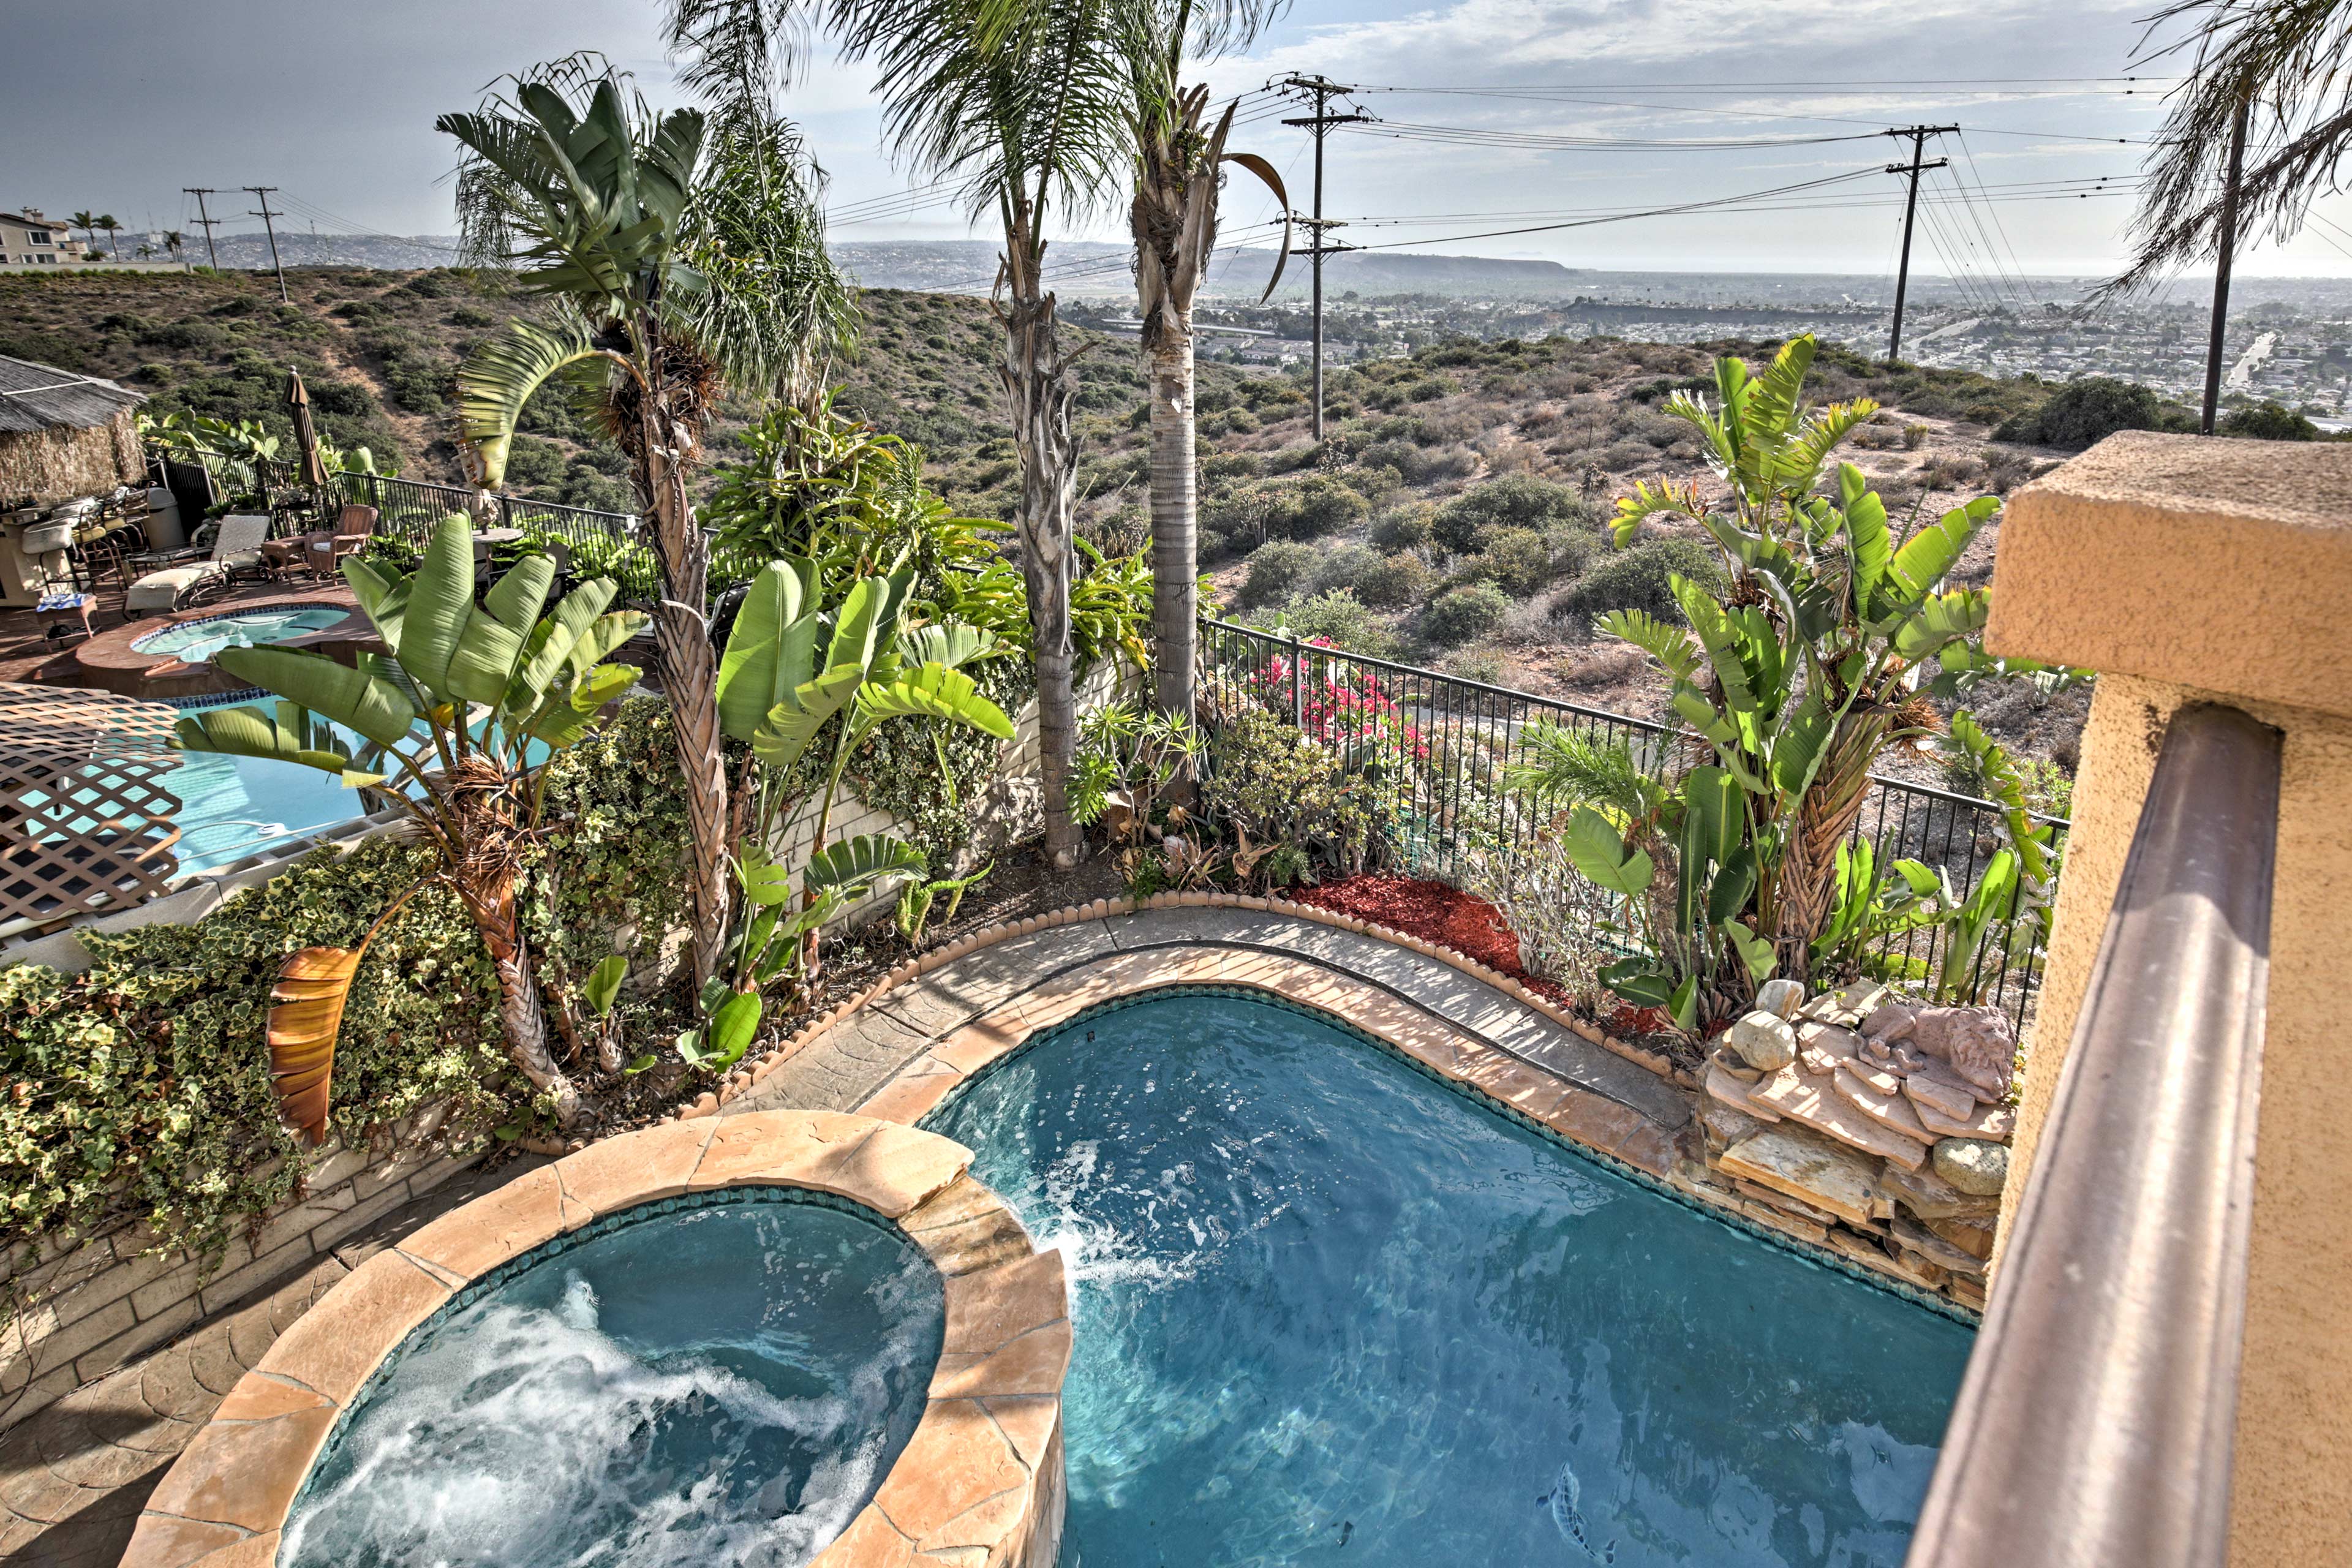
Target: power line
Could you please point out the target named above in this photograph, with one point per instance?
(1919, 135)
(1644, 211)
(205, 219)
(1319, 125)
(268, 223)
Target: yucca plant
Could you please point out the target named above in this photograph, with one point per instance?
(679, 258)
(455, 716)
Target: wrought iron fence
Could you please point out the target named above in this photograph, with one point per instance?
(412, 507)
(1445, 741)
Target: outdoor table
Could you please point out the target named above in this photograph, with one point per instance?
(489, 539)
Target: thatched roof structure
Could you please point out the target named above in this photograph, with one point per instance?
(64, 434)
(34, 396)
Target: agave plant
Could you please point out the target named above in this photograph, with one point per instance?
(796, 675)
(451, 723)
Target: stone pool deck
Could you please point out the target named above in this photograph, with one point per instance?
(74, 1479)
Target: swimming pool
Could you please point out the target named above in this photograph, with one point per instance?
(1328, 1310)
(196, 642)
(724, 1380)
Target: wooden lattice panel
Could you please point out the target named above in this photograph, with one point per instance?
(87, 821)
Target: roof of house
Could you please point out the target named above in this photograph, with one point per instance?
(42, 397)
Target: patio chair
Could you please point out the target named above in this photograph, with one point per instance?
(321, 549)
(237, 552)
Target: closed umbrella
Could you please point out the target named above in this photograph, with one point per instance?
(313, 474)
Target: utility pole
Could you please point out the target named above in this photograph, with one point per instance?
(2225, 245)
(265, 215)
(1918, 134)
(1320, 124)
(204, 220)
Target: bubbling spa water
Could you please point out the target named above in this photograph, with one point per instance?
(727, 1384)
(1328, 1310)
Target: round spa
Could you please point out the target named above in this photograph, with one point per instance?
(194, 641)
(711, 1342)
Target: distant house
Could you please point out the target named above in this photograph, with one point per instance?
(64, 436)
(29, 239)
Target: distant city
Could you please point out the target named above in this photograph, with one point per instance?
(2290, 338)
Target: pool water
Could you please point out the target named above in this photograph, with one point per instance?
(1330, 1311)
(724, 1384)
(196, 642)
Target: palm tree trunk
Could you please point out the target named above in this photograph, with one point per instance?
(1042, 393)
(690, 679)
(521, 1011)
(1175, 519)
(1808, 871)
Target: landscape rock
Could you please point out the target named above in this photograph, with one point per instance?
(1986, 1123)
(1781, 998)
(1783, 1202)
(1978, 1043)
(1976, 1240)
(1728, 1089)
(1877, 1078)
(1931, 1093)
(1936, 1250)
(1825, 1047)
(1730, 1062)
(1726, 1124)
(1811, 1169)
(1811, 1099)
(1884, 1106)
(1934, 1199)
(1764, 1041)
(1972, 1166)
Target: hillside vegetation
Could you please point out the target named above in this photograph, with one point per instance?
(1451, 516)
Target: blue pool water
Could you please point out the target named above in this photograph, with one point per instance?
(196, 642)
(1328, 1310)
(720, 1385)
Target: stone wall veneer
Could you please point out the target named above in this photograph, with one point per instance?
(979, 1483)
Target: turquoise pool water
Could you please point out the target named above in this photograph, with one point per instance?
(196, 642)
(1328, 1310)
(717, 1385)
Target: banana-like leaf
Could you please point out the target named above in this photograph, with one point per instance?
(515, 600)
(770, 650)
(305, 1014)
(249, 733)
(767, 882)
(951, 643)
(1927, 556)
(440, 604)
(500, 376)
(1719, 637)
(353, 698)
(383, 596)
(1944, 618)
(1670, 646)
(1733, 883)
(859, 628)
(1597, 851)
(793, 723)
(603, 987)
(569, 714)
(860, 862)
(1713, 825)
(1753, 950)
(933, 692)
(1797, 746)
(721, 1043)
(1869, 543)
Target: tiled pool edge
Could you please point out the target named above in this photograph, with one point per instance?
(1659, 1157)
(980, 1478)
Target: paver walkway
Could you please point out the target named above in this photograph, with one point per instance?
(74, 1477)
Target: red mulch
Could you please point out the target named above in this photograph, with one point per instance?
(1434, 912)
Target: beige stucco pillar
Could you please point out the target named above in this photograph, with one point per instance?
(2187, 569)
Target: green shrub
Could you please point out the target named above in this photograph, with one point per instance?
(1465, 613)
(1516, 500)
(2269, 422)
(1395, 582)
(1341, 619)
(1276, 570)
(1320, 506)
(1636, 579)
(1282, 787)
(1343, 568)
(1402, 528)
(2084, 412)
(1524, 562)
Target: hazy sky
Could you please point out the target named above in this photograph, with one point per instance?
(116, 104)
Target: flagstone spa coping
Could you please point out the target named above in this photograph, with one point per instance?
(979, 1482)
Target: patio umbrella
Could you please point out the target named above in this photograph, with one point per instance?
(313, 474)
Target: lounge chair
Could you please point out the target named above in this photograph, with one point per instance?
(322, 551)
(236, 549)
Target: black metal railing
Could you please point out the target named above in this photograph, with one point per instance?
(2097, 1420)
(1445, 741)
(411, 508)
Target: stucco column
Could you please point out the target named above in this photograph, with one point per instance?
(2187, 569)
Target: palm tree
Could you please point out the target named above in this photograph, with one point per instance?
(2287, 65)
(677, 263)
(1178, 174)
(1027, 104)
(106, 221)
(172, 240)
(86, 222)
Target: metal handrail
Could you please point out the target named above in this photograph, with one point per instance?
(2096, 1422)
